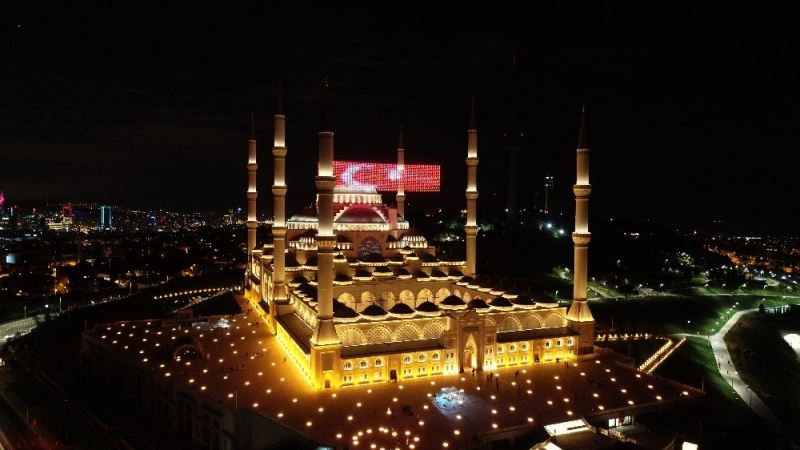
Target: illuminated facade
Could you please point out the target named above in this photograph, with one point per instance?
(355, 296)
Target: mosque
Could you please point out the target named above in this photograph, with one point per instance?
(355, 296)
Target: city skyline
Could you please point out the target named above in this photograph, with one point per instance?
(100, 112)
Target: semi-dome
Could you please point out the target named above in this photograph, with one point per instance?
(360, 215)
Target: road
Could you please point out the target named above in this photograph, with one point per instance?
(19, 325)
(731, 375)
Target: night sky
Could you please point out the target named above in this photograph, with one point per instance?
(693, 109)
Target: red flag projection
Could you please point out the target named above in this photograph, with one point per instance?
(384, 177)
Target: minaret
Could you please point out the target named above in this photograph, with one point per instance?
(579, 316)
(252, 191)
(325, 333)
(471, 227)
(401, 167)
(279, 203)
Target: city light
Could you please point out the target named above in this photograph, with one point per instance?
(385, 176)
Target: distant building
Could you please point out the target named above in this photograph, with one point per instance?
(105, 219)
(548, 188)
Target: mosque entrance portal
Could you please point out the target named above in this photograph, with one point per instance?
(470, 356)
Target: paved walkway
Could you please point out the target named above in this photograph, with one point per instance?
(731, 375)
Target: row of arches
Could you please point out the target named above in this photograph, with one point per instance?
(376, 334)
(387, 299)
(353, 335)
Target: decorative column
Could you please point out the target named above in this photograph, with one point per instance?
(471, 227)
(252, 192)
(401, 167)
(279, 189)
(579, 316)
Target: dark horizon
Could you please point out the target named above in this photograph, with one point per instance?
(690, 109)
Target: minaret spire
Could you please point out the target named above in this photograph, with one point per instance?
(252, 191)
(324, 341)
(279, 189)
(579, 316)
(471, 227)
(401, 167)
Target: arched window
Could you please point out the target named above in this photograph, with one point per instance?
(559, 343)
(435, 356)
(348, 365)
(363, 364)
(379, 362)
(548, 344)
(407, 359)
(570, 342)
(421, 357)
(512, 348)
(500, 349)
(524, 346)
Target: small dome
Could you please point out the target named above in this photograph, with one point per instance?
(420, 274)
(455, 273)
(452, 300)
(372, 257)
(299, 279)
(397, 257)
(427, 306)
(436, 273)
(466, 280)
(523, 300)
(383, 269)
(501, 302)
(342, 278)
(373, 310)
(343, 311)
(477, 304)
(401, 308)
(402, 272)
(362, 273)
(427, 257)
(339, 257)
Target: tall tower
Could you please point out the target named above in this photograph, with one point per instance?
(401, 167)
(513, 141)
(548, 188)
(106, 223)
(325, 343)
(471, 227)
(279, 189)
(252, 192)
(579, 316)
